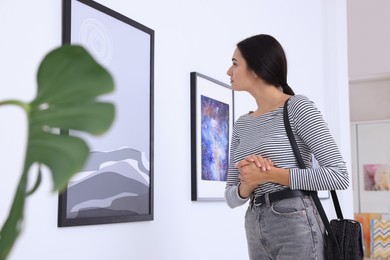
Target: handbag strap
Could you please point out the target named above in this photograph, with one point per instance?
(299, 158)
(336, 205)
(301, 164)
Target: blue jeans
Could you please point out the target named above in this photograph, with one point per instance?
(287, 229)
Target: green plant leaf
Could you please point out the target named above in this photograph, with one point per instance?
(76, 79)
(37, 181)
(94, 118)
(63, 154)
(70, 84)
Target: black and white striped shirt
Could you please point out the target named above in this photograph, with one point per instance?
(265, 135)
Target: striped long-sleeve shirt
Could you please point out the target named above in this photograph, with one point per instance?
(265, 135)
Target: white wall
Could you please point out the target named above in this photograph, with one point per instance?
(368, 40)
(369, 99)
(369, 59)
(194, 35)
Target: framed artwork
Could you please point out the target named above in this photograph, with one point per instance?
(376, 177)
(371, 166)
(212, 118)
(116, 184)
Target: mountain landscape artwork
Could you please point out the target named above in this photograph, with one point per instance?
(116, 182)
(112, 183)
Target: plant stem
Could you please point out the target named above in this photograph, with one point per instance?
(12, 227)
(19, 103)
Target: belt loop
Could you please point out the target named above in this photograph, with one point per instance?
(267, 202)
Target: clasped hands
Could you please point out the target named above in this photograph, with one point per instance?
(254, 170)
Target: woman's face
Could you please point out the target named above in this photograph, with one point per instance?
(241, 78)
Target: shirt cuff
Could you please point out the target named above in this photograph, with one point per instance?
(233, 198)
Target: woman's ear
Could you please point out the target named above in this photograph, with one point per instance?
(254, 74)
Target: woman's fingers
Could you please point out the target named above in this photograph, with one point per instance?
(256, 160)
(263, 163)
(247, 161)
(270, 162)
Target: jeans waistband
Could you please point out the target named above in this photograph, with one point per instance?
(278, 195)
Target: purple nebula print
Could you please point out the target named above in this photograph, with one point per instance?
(215, 139)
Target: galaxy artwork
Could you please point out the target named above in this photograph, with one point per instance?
(212, 118)
(214, 139)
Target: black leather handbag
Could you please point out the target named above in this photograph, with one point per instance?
(349, 237)
(344, 238)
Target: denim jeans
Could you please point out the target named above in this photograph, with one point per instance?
(287, 229)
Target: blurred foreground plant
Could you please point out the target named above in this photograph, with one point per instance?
(70, 82)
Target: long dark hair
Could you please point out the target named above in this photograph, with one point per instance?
(265, 56)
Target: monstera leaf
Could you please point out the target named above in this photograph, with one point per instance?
(70, 83)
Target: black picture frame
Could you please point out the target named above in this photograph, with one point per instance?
(116, 184)
(212, 119)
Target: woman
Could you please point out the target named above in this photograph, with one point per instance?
(281, 221)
